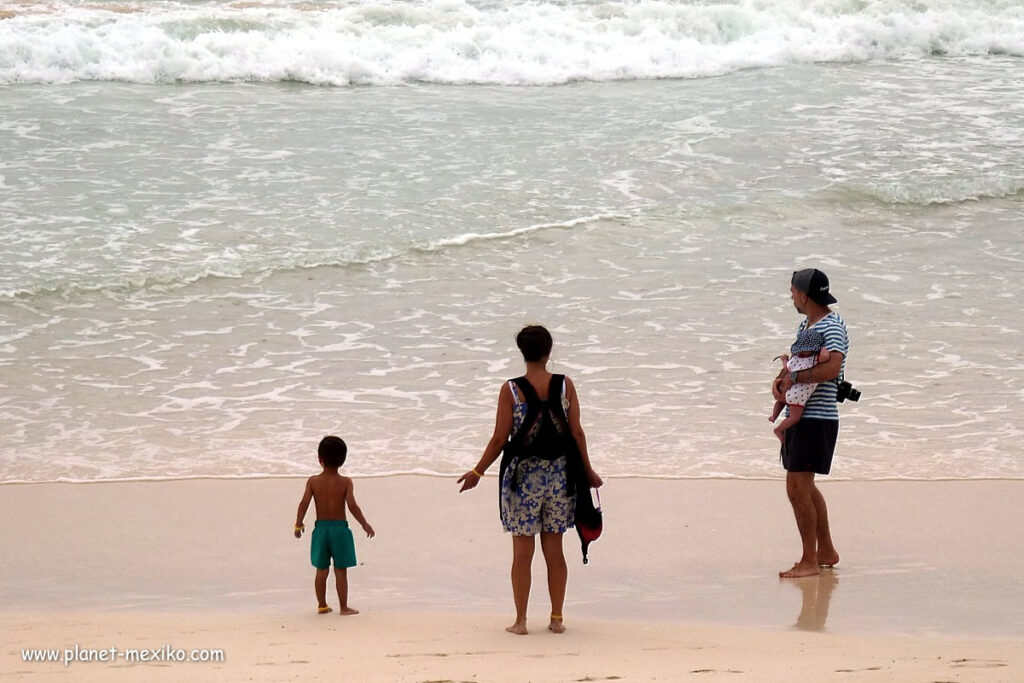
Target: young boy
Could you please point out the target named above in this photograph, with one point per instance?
(808, 350)
(331, 536)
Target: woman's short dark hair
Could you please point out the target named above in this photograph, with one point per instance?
(535, 342)
(332, 451)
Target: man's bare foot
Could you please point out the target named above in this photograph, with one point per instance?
(829, 561)
(800, 570)
(556, 625)
(324, 610)
(518, 628)
(347, 612)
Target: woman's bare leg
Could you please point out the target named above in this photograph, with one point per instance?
(558, 577)
(522, 562)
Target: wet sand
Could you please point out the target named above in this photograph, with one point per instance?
(684, 580)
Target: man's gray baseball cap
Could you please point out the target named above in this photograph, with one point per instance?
(814, 284)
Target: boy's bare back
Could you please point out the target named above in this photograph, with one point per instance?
(330, 492)
(334, 496)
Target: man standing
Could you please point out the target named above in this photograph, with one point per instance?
(810, 443)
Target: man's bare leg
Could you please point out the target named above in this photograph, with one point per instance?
(800, 488)
(827, 554)
(558, 576)
(341, 579)
(522, 562)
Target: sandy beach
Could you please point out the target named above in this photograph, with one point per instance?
(682, 585)
(230, 228)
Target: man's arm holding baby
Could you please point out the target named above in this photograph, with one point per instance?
(825, 371)
(822, 372)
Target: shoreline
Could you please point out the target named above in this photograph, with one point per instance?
(684, 580)
(446, 476)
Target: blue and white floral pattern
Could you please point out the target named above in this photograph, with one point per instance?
(540, 502)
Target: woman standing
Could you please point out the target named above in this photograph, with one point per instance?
(545, 453)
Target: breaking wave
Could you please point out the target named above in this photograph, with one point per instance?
(459, 42)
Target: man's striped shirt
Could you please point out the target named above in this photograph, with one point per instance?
(822, 403)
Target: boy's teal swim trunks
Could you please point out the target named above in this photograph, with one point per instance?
(332, 538)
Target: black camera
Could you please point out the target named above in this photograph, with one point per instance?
(845, 390)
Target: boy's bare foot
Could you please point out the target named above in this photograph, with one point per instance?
(556, 625)
(518, 628)
(799, 571)
(347, 611)
(324, 610)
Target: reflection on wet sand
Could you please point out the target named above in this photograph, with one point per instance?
(816, 592)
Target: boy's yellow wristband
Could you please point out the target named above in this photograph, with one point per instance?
(300, 527)
(477, 473)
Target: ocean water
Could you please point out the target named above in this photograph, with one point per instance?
(231, 228)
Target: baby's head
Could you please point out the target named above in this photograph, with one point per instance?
(807, 342)
(332, 452)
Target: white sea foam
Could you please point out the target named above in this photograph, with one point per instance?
(928, 192)
(469, 238)
(233, 266)
(452, 41)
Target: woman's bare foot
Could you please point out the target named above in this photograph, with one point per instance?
(800, 570)
(347, 611)
(556, 625)
(518, 628)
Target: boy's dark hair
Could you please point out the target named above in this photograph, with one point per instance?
(332, 451)
(535, 343)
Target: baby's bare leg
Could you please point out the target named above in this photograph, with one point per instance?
(777, 410)
(341, 578)
(795, 413)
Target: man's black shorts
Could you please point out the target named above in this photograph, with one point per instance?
(809, 446)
